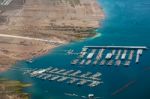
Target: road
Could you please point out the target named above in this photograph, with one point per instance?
(29, 38)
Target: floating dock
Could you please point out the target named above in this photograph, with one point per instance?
(76, 77)
(131, 55)
(109, 55)
(90, 55)
(139, 53)
(117, 47)
(118, 54)
(113, 52)
(124, 54)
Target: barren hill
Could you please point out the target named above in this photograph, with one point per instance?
(59, 21)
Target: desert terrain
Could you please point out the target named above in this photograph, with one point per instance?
(30, 28)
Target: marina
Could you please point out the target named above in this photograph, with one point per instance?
(122, 22)
(109, 55)
(76, 77)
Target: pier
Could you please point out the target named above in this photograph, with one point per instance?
(117, 47)
(131, 55)
(109, 55)
(90, 55)
(76, 77)
(124, 54)
(139, 53)
(100, 54)
(118, 54)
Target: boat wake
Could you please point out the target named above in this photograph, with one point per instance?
(123, 87)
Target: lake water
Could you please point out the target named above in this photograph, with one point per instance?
(127, 22)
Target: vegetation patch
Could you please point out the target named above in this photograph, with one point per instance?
(12, 89)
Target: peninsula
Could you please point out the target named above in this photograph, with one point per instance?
(10, 89)
(30, 28)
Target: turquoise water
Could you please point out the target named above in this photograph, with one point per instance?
(126, 23)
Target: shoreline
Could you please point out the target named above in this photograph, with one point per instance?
(16, 49)
(96, 36)
(12, 89)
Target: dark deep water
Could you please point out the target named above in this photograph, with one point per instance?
(127, 22)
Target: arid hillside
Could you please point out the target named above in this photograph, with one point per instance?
(32, 27)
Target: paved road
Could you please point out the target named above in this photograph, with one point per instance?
(29, 38)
